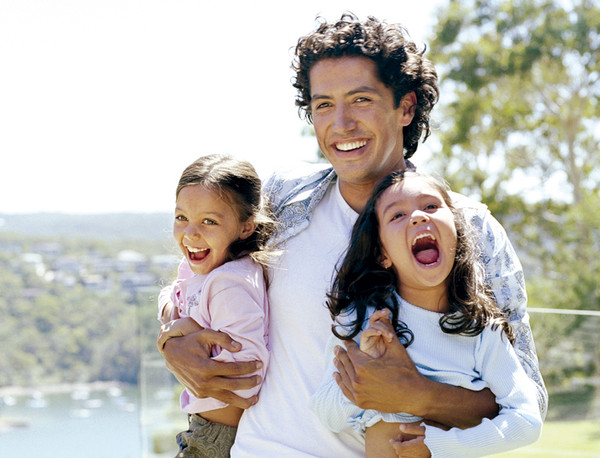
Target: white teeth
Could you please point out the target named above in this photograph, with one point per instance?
(350, 146)
(422, 236)
(196, 250)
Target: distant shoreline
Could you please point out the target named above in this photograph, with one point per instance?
(59, 388)
(6, 424)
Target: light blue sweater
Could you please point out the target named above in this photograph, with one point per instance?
(484, 361)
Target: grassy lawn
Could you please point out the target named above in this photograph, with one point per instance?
(564, 439)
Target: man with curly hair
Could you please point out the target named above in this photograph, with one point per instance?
(368, 90)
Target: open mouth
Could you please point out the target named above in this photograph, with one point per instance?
(425, 249)
(196, 254)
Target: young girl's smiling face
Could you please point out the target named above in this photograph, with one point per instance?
(418, 238)
(205, 226)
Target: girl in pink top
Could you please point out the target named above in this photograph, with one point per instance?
(221, 226)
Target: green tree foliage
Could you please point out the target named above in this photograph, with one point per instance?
(521, 83)
(562, 242)
(520, 130)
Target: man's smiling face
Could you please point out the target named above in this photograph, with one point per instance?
(358, 128)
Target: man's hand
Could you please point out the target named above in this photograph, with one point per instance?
(411, 441)
(188, 359)
(390, 383)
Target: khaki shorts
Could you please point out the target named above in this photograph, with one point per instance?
(205, 439)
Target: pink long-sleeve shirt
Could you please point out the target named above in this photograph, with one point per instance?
(231, 299)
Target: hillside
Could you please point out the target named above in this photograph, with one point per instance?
(111, 226)
(78, 300)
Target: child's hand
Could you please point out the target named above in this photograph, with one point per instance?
(373, 340)
(411, 441)
(176, 328)
(170, 312)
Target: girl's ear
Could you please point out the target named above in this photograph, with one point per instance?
(247, 228)
(384, 261)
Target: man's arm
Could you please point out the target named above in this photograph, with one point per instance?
(188, 356)
(188, 359)
(392, 383)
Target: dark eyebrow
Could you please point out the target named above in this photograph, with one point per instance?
(358, 90)
(363, 89)
(318, 97)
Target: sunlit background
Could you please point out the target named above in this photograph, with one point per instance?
(103, 103)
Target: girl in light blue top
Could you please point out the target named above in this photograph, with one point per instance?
(412, 274)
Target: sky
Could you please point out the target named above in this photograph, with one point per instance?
(103, 103)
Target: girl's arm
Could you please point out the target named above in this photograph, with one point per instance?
(505, 276)
(233, 302)
(180, 327)
(518, 423)
(336, 411)
(189, 359)
(330, 405)
(229, 415)
(392, 383)
(166, 308)
(381, 441)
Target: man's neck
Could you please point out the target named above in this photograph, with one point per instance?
(356, 195)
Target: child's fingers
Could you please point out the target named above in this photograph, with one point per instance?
(176, 328)
(379, 315)
(413, 428)
(382, 316)
(415, 448)
(384, 330)
(368, 339)
(167, 331)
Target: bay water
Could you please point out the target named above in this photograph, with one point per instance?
(113, 421)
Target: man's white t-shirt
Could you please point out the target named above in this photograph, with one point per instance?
(281, 424)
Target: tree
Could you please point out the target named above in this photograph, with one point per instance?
(520, 130)
(520, 90)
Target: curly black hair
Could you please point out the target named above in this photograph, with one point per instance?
(401, 65)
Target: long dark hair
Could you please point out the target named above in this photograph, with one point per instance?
(237, 182)
(361, 282)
